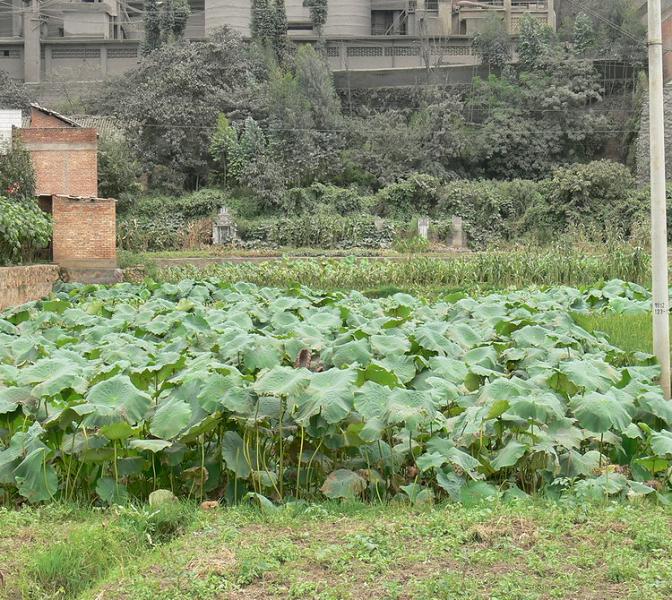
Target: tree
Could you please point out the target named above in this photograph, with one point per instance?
(165, 22)
(534, 39)
(170, 102)
(118, 169)
(492, 44)
(534, 121)
(12, 94)
(584, 34)
(269, 27)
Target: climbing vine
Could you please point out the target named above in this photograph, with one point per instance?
(318, 14)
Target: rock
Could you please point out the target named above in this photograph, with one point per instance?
(159, 497)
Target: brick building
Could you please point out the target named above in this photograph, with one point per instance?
(65, 155)
(65, 158)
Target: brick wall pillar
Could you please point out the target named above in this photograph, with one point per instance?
(84, 232)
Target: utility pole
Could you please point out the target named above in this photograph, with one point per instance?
(661, 302)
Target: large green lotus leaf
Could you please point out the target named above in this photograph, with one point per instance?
(484, 356)
(661, 443)
(153, 446)
(262, 354)
(456, 457)
(432, 460)
(225, 392)
(574, 464)
(354, 352)
(36, 479)
(12, 398)
(531, 335)
(201, 427)
(343, 483)
(11, 456)
(601, 412)
(45, 369)
(234, 455)
(509, 455)
(403, 366)
(430, 337)
(502, 389)
(385, 345)
(594, 375)
(477, 492)
(111, 492)
(464, 335)
(657, 405)
(448, 368)
(451, 482)
(378, 374)
(120, 430)
(170, 419)
(58, 383)
(541, 408)
(324, 320)
(411, 407)
(118, 396)
(372, 430)
(330, 394)
(371, 400)
(79, 441)
(282, 381)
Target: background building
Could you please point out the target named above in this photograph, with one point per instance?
(83, 40)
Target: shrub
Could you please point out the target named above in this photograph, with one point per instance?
(417, 195)
(24, 229)
(17, 175)
(597, 195)
(344, 201)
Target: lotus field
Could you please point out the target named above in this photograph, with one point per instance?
(240, 392)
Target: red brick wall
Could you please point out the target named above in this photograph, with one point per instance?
(84, 232)
(65, 159)
(41, 119)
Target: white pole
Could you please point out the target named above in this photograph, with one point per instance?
(661, 317)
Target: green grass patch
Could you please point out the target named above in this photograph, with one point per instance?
(632, 333)
(529, 550)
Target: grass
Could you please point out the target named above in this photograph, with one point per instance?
(632, 333)
(525, 551)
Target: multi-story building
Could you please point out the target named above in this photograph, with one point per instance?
(85, 40)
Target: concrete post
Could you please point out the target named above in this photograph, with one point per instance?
(31, 43)
(507, 16)
(661, 303)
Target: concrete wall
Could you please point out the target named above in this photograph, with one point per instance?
(84, 232)
(19, 285)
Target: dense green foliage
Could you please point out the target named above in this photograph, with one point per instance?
(237, 390)
(24, 230)
(258, 118)
(599, 198)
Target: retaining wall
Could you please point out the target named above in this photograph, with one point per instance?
(23, 284)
